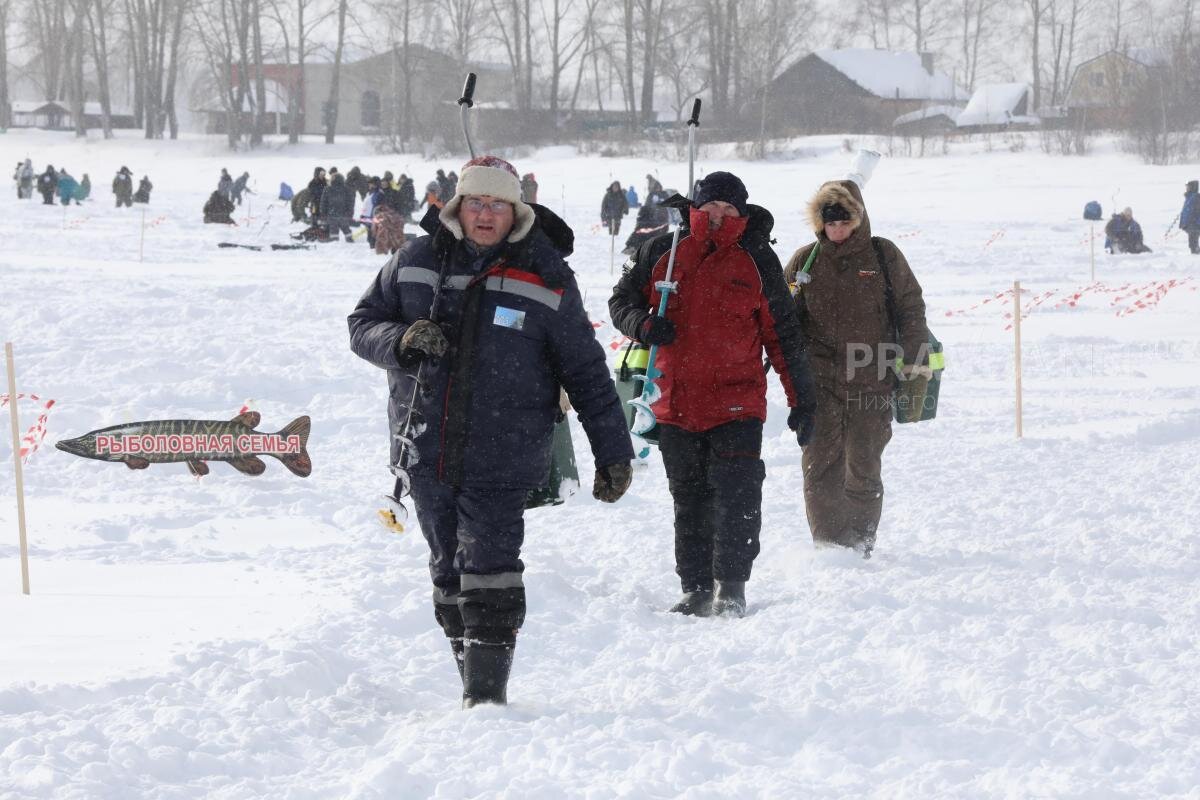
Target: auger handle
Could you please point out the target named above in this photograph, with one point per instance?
(695, 119)
(468, 95)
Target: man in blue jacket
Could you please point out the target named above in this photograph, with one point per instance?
(510, 331)
(1189, 217)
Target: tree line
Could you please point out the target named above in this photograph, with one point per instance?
(623, 55)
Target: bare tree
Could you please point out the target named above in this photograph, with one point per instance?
(1038, 10)
(563, 46)
(515, 13)
(682, 62)
(592, 52)
(651, 13)
(771, 37)
(880, 16)
(975, 21)
(5, 117)
(330, 112)
(307, 17)
(462, 17)
(260, 84)
(721, 22)
(48, 21)
(75, 87)
(96, 13)
(222, 28)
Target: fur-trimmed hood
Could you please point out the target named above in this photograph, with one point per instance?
(848, 196)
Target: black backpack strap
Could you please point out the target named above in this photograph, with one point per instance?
(889, 297)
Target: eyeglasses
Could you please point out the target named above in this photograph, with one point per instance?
(475, 205)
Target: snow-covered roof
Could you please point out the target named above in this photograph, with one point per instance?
(884, 73)
(36, 106)
(93, 110)
(994, 104)
(951, 112)
(1149, 56)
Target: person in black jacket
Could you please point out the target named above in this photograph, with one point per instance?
(47, 184)
(122, 187)
(316, 188)
(218, 209)
(337, 207)
(142, 195)
(613, 207)
(731, 304)
(510, 331)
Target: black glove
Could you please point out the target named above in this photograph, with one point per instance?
(612, 481)
(803, 420)
(656, 330)
(423, 338)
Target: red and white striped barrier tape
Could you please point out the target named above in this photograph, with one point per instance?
(1143, 297)
(997, 236)
(1151, 296)
(998, 296)
(36, 434)
(154, 223)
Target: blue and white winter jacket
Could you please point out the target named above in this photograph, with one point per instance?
(518, 332)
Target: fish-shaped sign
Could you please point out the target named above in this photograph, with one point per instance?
(196, 441)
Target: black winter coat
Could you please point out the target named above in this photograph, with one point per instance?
(517, 330)
(337, 201)
(614, 206)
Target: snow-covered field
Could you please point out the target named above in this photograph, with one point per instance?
(1028, 627)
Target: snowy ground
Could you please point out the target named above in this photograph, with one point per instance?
(1028, 627)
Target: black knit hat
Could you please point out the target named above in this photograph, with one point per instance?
(1192, 186)
(724, 186)
(835, 212)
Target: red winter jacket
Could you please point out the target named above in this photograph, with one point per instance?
(731, 304)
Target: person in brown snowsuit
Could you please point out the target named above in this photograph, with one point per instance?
(854, 333)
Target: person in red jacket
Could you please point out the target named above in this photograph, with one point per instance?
(731, 304)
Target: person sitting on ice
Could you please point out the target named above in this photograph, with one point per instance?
(1124, 234)
(142, 195)
(218, 210)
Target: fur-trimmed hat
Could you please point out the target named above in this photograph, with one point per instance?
(493, 177)
(835, 193)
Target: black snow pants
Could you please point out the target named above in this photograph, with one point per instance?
(1193, 239)
(474, 538)
(716, 479)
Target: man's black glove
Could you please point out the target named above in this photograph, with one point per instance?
(803, 420)
(612, 481)
(656, 330)
(423, 338)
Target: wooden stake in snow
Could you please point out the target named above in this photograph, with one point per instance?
(1093, 252)
(1017, 350)
(16, 440)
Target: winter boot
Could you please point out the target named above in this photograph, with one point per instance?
(696, 603)
(456, 647)
(729, 599)
(485, 673)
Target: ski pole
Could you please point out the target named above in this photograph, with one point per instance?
(464, 104)
(404, 435)
(644, 421)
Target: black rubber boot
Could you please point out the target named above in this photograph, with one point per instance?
(697, 603)
(729, 599)
(456, 647)
(485, 673)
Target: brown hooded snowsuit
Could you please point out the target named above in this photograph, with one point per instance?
(851, 346)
